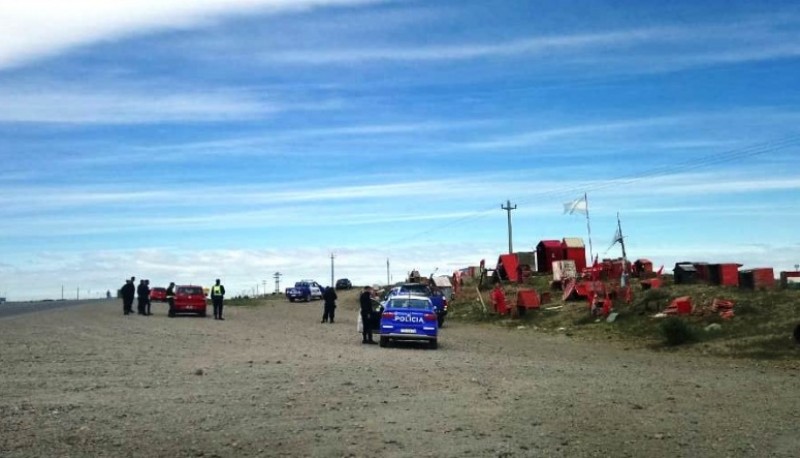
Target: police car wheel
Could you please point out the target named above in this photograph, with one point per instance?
(291, 299)
(384, 341)
(433, 344)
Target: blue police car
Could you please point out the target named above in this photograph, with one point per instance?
(408, 318)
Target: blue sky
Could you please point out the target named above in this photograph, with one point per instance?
(189, 140)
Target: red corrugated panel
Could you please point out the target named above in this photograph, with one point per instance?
(509, 263)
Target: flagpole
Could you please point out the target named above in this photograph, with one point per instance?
(624, 255)
(588, 227)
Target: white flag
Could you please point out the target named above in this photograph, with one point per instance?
(576, 206)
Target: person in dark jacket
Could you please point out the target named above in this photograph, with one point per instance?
(147, 302)
(365, 301)
(128, 291)
(143, 292)
(330, 304)
(170, 295)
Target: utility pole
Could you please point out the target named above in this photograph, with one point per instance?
(78, 294)
(264, 282)
(332, 256)
(277, 277)
(62, 292)
(388, 281)
(508, 209)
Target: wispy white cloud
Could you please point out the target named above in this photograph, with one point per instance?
(653, 49)
(72, 211)
(39, 28)
(125, 104)
(541, 136)
(528, 46)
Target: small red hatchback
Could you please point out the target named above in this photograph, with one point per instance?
(189, 299)
(158, 294)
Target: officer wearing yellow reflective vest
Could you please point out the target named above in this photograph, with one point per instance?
(217, 294)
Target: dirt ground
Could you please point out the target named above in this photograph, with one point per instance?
(273, 381)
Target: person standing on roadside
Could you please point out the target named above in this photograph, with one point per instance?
(127, 292)
(147, 296)
(365, 301)
(142, 292)
(170, 295)
(330, 304)
(217, 295)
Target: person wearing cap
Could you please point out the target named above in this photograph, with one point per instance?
(217, 294)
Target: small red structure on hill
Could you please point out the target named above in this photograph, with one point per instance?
(761, 277)
(724, 274)
(548, 251)
(575, 250)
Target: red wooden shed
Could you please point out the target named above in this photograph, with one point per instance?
(758, 278)
(548, 251)
(724, 274)
(575, 250)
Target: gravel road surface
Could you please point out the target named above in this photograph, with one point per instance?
(273, 381)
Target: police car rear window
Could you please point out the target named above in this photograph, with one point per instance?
(195, 290)
(407, 303)
(414, 289)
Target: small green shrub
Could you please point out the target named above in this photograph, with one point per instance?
(677, 332)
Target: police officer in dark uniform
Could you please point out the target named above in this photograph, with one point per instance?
(217, 294)
(147, 297)
(365, 301)
(171, 299)
(143, 292)
(127, 292)
(330, 304)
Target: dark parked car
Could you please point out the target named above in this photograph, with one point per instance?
(343, 283)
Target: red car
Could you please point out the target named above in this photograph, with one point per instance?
(189, 299)
(158, 294)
